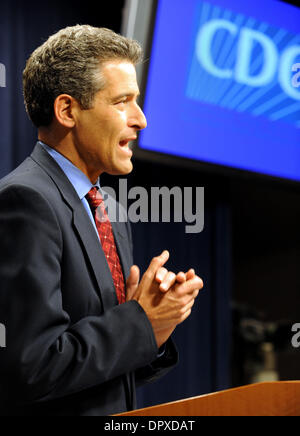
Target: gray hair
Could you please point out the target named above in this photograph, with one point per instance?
(68, 63)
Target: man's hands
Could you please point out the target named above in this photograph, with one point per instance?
(167, 298)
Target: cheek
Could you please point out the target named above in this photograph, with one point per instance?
(123, 117)
(119, 121)
(118, 126)
(106, 131)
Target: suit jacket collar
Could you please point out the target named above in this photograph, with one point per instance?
(85, 229)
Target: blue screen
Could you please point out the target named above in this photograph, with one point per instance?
(224, 84)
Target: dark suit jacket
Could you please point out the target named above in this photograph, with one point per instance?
(71, 349)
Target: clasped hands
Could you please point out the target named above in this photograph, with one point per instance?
(167, 298)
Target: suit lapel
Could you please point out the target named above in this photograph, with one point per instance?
(93, 248)
(84, 229)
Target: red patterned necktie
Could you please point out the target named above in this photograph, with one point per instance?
(107, 239)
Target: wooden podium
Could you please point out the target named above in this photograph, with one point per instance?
(261, 399)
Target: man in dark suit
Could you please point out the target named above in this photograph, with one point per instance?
(82, 328)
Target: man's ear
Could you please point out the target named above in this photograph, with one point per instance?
(64, 106)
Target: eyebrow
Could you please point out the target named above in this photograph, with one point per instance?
(125, 94)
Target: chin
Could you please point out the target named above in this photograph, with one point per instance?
(121, 170)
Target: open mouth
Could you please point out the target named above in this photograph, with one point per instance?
(124, 143)
(125, 147)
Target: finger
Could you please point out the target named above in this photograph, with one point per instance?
(132, 282)
(190, 274)
(186, 311)
(190, 286)
(194, 284)
(195, 293)
(185, 316)
(155, 264)
(190, 297)
(161, 274)
(181, 277)
(168, 281)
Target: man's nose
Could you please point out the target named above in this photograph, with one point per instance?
(138, 119)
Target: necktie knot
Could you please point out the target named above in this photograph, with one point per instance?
(94, 198)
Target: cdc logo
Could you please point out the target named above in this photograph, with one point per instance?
(242, 64)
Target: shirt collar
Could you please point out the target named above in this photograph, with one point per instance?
(79, 180)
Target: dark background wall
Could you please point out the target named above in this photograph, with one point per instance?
(248, 253)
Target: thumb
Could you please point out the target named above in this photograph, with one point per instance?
(132, 282)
